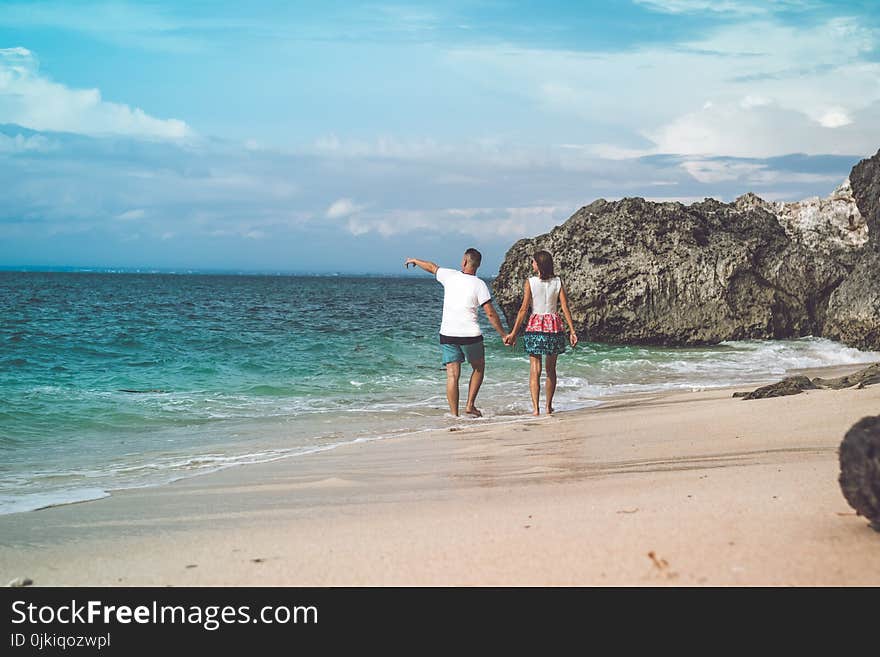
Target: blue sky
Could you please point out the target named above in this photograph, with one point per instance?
(342, 136)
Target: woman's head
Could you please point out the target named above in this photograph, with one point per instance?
(544, 264)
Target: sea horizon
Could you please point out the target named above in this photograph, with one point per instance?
(211, 271)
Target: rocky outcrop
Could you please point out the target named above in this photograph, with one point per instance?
(860, 468)
(826, 224)
(639, 272)
(794, 385)
(854, 307)
(853, 315)
(865, 181)
(863, 378)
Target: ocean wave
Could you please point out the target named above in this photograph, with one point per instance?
(231, 379)
(43, 500)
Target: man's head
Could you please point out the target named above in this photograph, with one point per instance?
(470, 263)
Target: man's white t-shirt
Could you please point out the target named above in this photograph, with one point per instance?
(463, 295)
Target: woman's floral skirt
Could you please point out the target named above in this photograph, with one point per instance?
(544, 344)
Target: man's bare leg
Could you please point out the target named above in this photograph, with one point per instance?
(453, 372)
(474, 387)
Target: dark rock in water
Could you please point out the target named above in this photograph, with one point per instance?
(793, 385)
(860, 468)
(21, 581)
(863, 378)
(639, 272)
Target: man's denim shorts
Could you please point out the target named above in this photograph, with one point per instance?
(457, 353)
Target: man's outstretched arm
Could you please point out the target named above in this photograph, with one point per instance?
(492, 316)
(429, 267)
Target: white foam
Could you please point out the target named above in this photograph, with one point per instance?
(297, 426)
(35, 501)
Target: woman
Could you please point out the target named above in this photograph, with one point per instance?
(544, 334)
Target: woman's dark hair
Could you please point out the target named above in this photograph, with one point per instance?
(545, 264)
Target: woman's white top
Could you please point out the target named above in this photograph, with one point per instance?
(545, 295)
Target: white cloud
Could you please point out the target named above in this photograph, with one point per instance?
(405, 17)
(749, 173)
(22, 144)
(382, 147)
(17, 60)
(132, 215)
(225, 181)
(467, 161)
(748, 102)
(32, 100)
(213, 193)
(835, 118)
(483, 223)
(732, 130)
(608, 151)
(712, 171)
(737, 7)
(130, 24)
(175, 28)
(763, 86)
(342, 208)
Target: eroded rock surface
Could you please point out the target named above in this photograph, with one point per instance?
(639, 272)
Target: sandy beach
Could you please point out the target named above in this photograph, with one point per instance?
(692, 488)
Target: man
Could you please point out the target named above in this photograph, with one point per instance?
(460, 335)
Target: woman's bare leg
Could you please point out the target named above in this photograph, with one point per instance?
(550, 384)
(535, 382)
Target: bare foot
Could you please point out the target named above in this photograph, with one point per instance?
(536, 413)
(475, 412)
(549, 410)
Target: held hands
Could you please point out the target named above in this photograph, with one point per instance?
(510, 339)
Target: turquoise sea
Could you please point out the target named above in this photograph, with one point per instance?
(111, 381)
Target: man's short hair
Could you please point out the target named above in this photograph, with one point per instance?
(474, 258)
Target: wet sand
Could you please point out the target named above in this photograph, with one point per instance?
(690, 488)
